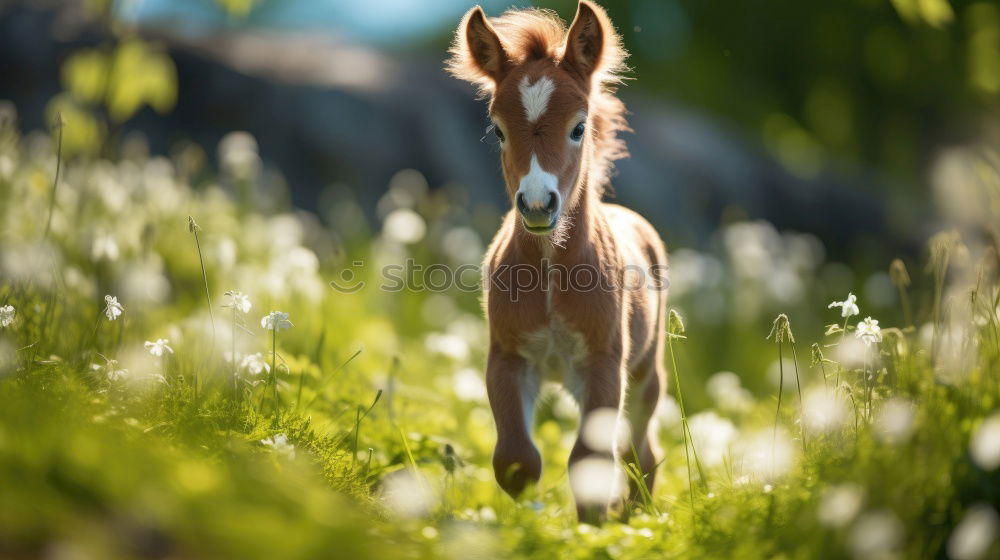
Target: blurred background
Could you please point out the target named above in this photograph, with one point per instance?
(822, 117)
(786, 150)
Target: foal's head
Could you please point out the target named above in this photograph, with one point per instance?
(551, 103)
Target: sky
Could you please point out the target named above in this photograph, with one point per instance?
(381, 22)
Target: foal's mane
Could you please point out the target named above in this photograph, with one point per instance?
(536, 34)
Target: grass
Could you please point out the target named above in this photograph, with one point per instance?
(377, 442)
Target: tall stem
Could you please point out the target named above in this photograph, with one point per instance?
(233, 356)
(684, 423)
(798, 386)
(781, 387)
(193, 228)
(55, 183)
(274, 370)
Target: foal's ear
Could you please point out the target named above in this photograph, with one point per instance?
(477, 55)
(591, 44)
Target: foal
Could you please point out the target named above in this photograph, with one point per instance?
(560, 301)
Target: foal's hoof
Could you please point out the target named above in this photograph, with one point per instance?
(516, 478)
(514, 474)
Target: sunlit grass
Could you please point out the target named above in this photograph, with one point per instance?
(183, 416)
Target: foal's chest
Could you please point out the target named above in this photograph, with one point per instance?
(553, 350)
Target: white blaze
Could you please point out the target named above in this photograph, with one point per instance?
(535, 97)
(537, 184)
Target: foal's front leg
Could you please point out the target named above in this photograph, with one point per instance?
(602, 378)
(512, 391)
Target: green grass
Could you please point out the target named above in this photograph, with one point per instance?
(391, 435)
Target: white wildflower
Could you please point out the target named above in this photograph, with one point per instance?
(876, 535)
(279, 444)
(114, 372)
(895, 421)
(711, 436)
(404, 226)
(469, 385)
(595, 480)
(823, 409)
(728, 393)
(763, 455)
(112, 309)
(840, 504)
(985, 443)
(848, 307)
(159, 347)
(6, 315)
(974, 535)
(275, 320)
(869, 331)
(255, 364)
(239, 300)
(105, 248)
(408, 494)
(603, 430)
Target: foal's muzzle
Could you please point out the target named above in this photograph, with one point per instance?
(539, 213)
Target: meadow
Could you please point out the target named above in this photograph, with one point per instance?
(179, 378)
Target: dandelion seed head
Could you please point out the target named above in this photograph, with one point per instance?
(238, 154)
(840, 504)
(404, 226)
(446, 344)
(712, 437)
(728, 393)
(764, 455)
(823, 409)
(105, 247)
(463, 244)
(985, 443)
(851, 352)
(29, 263)
(145, 280)
(602, 430)
(894, 423)
(667, 413)
(407, 494)
(875, 535)
(975, 533)
(595, 480)
(7, 314)
(469, 385)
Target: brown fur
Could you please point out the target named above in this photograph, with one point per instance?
(609, 341)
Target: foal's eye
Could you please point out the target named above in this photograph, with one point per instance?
(577, 134)
(499, 133)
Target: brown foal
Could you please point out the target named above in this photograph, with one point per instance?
(575, 288)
